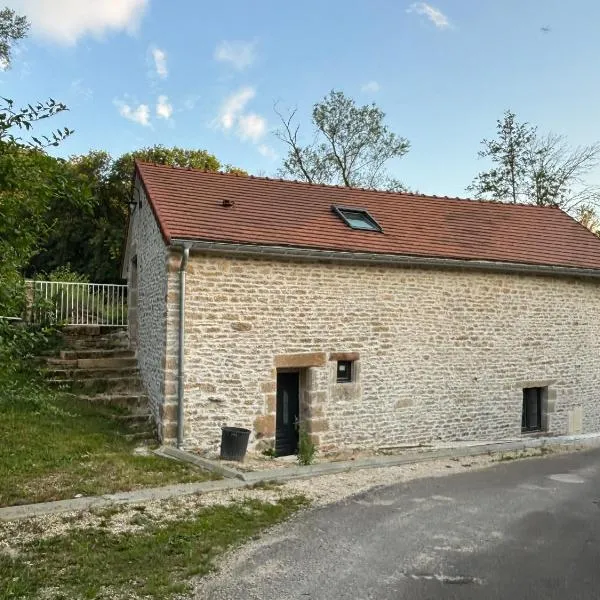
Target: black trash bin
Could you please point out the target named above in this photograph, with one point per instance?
(234, 443)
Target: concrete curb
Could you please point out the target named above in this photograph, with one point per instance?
(25, 511)
(238, 479)
(208, 465)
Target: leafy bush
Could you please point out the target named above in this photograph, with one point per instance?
(306, 447)
(19, 343)
(20, 380)
(65, 273)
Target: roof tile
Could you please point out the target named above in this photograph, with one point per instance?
(188, 204)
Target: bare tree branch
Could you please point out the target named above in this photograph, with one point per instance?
(290, 138)
(351, 145)
(537, 169)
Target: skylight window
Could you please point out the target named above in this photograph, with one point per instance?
(357, 218)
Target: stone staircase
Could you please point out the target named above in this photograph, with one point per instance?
(96, 365)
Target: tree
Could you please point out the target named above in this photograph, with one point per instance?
(509, 152)
(13, 28)
(29, 178)
(536, 169)
(351, 145)
(91, 237)
(588, 217)
(557, 173)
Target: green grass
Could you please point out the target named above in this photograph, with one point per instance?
(156, 562)
(54, 446)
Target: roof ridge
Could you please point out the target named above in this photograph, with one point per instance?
(343, 187)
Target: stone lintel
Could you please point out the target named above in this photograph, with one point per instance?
(533, 383)
(344, 356)
(308, 359)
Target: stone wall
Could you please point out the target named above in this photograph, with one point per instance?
(149, 249)
(441, 355)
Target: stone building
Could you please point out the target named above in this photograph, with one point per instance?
(371, 319)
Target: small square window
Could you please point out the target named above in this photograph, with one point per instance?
(357, 218)
(344, 371)
(531, 417)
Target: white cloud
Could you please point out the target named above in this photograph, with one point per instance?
(66, 21)
(139, 114)
(233, 107)
(251, 126)
(190, 101)
(238, 54)
(160, 62)
(80, 89)
(233, 116)
(436, 16)
(267, 151)
(371, 87)
(164, 110)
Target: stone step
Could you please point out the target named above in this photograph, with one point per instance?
(97, 353)
(65, 363)
(107, 363)
(100, 385)
(84, 374)
(135, 421)
(103, 343)
(140, 436)
(118, 362)
(135, 404)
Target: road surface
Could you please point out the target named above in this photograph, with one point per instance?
(523, 530)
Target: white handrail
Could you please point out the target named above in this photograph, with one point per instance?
(75, 303)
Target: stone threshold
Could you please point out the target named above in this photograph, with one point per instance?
(239, 479)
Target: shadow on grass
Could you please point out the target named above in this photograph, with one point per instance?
(156, 561)
(55, 446)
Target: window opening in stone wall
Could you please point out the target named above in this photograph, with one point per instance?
(344, 371)
(531, 419)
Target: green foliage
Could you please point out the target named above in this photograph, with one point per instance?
(157, 562)
(306, 447)
(92, 237)
(65, 273)
(30, 182)
(509, 154)
(537, 169)
(21, 385)
(13, 28)
(20, 343)
(351, 145)
(12, 118)
(270, 452)
(588, 217)
(29, 178)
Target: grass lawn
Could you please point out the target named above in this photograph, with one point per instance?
(156, 560)
(54, 446)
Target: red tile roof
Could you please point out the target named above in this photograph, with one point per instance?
(188, 205)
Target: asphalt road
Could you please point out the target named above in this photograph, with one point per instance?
(523, 530)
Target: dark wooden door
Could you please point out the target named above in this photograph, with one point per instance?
(288, 404)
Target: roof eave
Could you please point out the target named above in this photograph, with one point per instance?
(288, 252)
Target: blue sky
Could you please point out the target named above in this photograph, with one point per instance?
(206, 74)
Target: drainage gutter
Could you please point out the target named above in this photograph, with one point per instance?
(293, 252)
(185, 255)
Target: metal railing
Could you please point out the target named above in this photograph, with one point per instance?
(78, 303)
